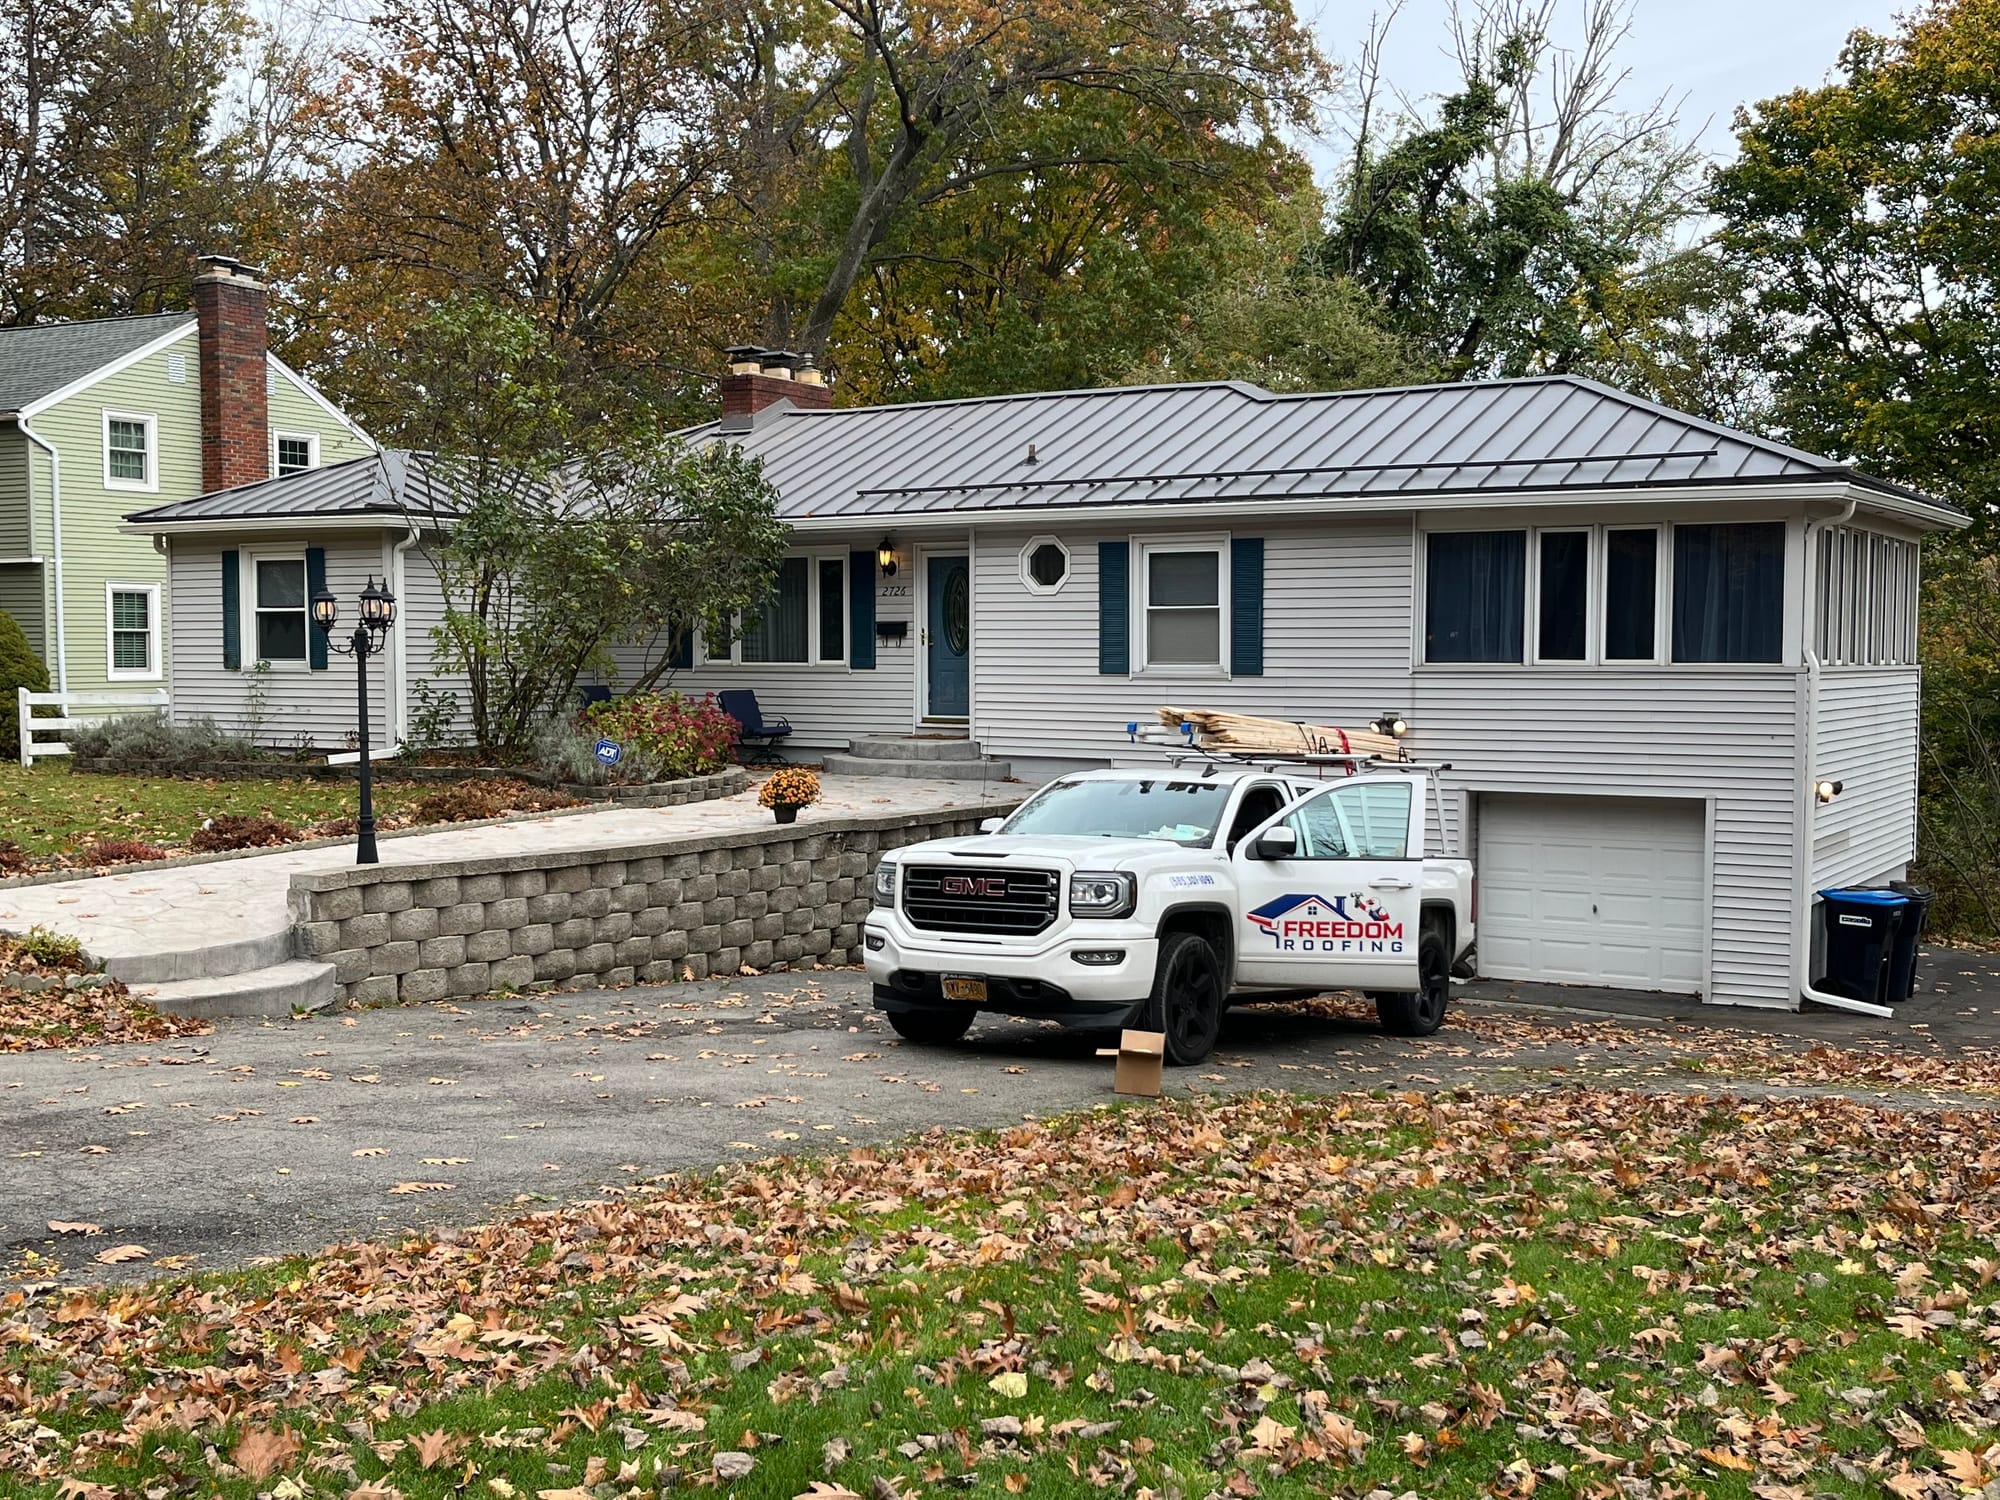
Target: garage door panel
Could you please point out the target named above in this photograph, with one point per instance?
(1593, 890)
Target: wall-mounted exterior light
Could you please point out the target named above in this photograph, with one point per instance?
(1392, 724)
(1826, 791)
(885, 557)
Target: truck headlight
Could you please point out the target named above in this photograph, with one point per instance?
(885, 883)
(1112, 893)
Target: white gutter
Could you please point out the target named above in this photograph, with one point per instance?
(1809, 801)
(399, 694)
(379, 520)
(55, 541)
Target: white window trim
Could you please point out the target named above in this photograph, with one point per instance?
(150, 485)
(1593, 593)
(310, 439)
(151, 671)
(1663, 594)
(1142, 548)
(703, 657)
(1028, 549)
(251, 612)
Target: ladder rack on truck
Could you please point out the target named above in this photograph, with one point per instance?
(1180, 748)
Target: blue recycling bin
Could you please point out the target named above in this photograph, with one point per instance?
(1861, 926)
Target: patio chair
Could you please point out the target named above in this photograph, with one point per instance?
(758, 743)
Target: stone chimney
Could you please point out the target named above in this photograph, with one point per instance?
(235, 407)
(756, 378)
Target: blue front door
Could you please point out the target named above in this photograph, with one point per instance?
(948, 637)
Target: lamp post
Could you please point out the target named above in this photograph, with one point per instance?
(378, 613)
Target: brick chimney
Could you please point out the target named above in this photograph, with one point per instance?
(235, 409)
(756, 378)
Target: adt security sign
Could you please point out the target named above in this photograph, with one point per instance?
(610, 752)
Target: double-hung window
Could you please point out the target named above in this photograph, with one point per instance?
(802, 620)
(132, 630)
(278, 587)
(1181, 607)
(131, 457)
(292, 452)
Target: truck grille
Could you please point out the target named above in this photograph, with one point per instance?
(950, 898)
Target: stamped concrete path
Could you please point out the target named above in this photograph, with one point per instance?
(154, 925)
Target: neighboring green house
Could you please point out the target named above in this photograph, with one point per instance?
(101, 416)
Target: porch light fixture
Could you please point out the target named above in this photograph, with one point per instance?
(885, 557)
(378, 613)
(1826, 791)
(1392, 724)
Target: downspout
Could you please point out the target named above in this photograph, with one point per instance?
(55, 544)
(399, 701)
(1809, 795)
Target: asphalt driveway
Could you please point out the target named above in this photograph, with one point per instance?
(278, 1137)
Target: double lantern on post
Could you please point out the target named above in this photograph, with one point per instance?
(378, 613)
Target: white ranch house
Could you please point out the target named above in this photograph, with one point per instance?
(1639, 638)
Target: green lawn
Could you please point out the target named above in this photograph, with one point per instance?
(1567, 1292)
(50, 810)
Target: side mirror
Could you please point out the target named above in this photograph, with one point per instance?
(990, 825)
(1276, 843)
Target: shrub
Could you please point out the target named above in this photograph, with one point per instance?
(150, 739)
(121, 852)
(242, 831)
(465, 801)
(793, 786)
(19, 668)
(50, 950)
(681, 736)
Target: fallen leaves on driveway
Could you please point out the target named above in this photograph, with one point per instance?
(108, 1013)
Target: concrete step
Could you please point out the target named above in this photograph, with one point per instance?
(915, 749)
(279, 990)
(212, 961)
(917, 770)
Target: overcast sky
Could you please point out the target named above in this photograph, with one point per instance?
(1716, 53)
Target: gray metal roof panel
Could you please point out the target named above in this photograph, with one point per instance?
(39, 359)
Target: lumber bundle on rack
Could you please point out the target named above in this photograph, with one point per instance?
(1244, 732)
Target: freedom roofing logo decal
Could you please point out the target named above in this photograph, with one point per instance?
(1353, 924)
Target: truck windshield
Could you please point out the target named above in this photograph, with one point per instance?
(1183, 812)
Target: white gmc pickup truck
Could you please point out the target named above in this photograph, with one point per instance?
(1156, 898)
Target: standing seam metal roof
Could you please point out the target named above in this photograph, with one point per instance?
(1129, 445)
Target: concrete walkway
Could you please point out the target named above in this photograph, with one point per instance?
(138, 924)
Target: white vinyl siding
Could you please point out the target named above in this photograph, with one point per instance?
(1866, 739)
(1606, 891)
(300, 706)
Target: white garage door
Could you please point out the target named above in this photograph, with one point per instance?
(1592, 890)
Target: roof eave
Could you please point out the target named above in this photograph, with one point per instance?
(372, 520)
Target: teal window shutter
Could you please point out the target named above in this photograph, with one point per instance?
(315, 583)
(1114, 608)
(232, 611)
(861, 611)
(1246, 606)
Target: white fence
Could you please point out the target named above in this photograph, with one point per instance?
(33, 750)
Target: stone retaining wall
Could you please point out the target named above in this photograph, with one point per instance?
(766, 898)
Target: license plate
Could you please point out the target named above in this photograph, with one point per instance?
(958, 987)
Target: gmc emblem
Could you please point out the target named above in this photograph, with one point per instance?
(969, 885)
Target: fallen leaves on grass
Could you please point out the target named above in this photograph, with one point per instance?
(1568, 1291)
(93, 1017)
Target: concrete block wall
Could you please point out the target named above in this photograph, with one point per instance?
(784, 896)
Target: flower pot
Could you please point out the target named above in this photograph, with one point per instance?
(786, 812)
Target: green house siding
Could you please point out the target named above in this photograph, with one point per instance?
(293, 410)
(16, 537)
(96, 553)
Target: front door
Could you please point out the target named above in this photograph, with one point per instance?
(947, 636)
(1343, 910)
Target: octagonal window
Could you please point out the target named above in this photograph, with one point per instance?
(1044, 564)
